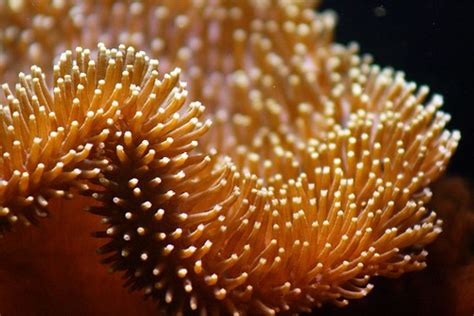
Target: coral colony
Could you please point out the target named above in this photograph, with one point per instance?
(313, 178)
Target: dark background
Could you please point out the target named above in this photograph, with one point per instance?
(432, 42)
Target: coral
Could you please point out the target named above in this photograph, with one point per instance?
(156, 194)
(53, 269)
(445, 287)
(314, 178)
(48, 135)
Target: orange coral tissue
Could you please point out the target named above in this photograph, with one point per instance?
(314, 178)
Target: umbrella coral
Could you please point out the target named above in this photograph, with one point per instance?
(334, 158)
(331, 157)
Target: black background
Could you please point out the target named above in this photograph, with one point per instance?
(432, 42)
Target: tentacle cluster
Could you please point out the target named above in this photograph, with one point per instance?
(48, 134)
(313, 179)
(156, 195)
